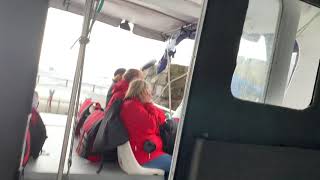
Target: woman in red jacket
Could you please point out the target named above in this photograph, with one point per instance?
(120, 88)
(142, 120)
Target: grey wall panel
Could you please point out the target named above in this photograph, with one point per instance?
(213, 70)
(21, 30)
(251, 162)
(213, 111)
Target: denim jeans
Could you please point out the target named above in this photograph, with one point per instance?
(162, 162)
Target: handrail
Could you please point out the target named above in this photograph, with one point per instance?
(66, 80)
(164, 108)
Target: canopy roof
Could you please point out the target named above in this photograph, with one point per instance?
(158, 19)
(155, 19)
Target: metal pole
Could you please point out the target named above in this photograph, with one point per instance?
(75, 88)
(169, 81)
(21, 168)
(74, 123)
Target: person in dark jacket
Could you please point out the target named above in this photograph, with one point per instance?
(142, 120)
(120, 88)
(118, 74)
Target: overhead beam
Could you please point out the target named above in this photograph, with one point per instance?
(78, 8)
(180, 9)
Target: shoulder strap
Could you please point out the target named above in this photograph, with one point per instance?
(101, 165)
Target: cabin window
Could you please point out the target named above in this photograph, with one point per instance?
(255, 56)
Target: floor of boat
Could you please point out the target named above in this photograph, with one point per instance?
(46, 166)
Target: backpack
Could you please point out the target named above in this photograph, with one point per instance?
(168, 132)
(88, 134)
(38, 134)
(111, 134)
(84, 106)
(82, 115)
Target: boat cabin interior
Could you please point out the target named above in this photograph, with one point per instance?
(251, 104)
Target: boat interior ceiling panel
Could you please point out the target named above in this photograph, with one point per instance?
(159, 19)
(308, 13)
(153, 18)
(269, 11)
(198, 2)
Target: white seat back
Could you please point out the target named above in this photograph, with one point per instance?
(129, 164)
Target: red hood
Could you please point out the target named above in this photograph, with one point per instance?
(119, 91)
(121, 86)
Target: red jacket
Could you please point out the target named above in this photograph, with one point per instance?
(142, 122)
(118, 92)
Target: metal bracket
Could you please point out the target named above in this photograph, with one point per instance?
(84, 40)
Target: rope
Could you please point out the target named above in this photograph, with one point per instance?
(100, 6)
(174, 80)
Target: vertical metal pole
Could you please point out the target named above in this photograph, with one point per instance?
(169, 81)
(74, 123)
(187, 90)
(23, 149)
(75, 88)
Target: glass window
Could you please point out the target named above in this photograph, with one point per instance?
(254, 58)
(251, 75)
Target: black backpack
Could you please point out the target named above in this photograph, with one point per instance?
(168, 132)
(38, 134)
(111, 134)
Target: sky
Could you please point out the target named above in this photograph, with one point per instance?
(109, 48)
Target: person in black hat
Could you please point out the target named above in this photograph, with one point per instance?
(116, 78)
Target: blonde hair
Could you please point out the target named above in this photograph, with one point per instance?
(137, 88)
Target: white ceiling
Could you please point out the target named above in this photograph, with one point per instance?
(152, 18)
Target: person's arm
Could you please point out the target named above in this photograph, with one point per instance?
(160, 116)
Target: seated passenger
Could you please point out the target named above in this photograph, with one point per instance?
(142, 120)
(120, 88)
(118, 75)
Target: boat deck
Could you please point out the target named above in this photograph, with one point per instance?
(46, 166)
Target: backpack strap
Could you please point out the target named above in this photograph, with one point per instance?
(101, 165)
